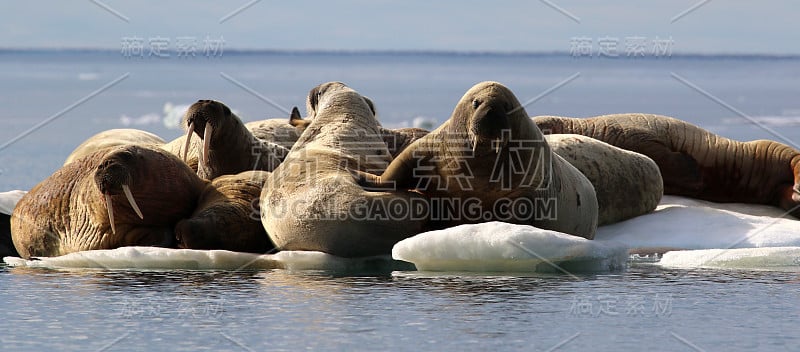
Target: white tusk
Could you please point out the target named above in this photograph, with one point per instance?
(497, 147)
(129, 195)
(206, 144)
(110, 209)
(474, 144)
(188, 140)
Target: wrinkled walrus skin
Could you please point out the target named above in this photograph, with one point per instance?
(490, 153)
(227, 217)
(312, 201)
(69, 211)
(697, 163)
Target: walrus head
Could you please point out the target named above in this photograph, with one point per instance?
(316, 98)
(114, 177)
(790, 196)
(489, 111)
(204, 118)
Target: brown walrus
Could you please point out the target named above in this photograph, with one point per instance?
(227, 216)
(489, 153)
(627, 183)
(697, 163)
(6, 243)
(227, 147)
(397, 140)
(312, 201)
(121, 196)
(8, 200)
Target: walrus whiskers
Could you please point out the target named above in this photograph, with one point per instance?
(128, 195)
(188, 140)
(110, 209)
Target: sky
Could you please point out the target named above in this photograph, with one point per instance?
(686, 26)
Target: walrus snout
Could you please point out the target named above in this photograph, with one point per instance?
(203, 113)
(490, 123)
(203, 117)
(110, 177)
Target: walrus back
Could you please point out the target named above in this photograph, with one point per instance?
(694, 162)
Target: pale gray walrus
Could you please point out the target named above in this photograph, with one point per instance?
(490, 151)
(627, 183)
(120, 196)
(312, 202)
(227, 216)
(697, 163)
(285, 133)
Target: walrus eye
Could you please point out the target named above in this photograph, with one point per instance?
(475, 104)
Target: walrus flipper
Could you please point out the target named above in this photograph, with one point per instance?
(407, 171)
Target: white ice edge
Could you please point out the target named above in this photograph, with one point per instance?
(153, 258)
(768, 258)
(688, 225)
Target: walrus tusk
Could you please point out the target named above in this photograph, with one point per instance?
(128, 195)
(474, 141)
(497, 146)
(206, 144)
(110, 210)
(188, 140)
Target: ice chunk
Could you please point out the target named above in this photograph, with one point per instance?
(683, 223)
(781, 258)
(498, 246)
(8, 200)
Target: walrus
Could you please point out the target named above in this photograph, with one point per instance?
(312, 201)
(490, 153)
(6, 243)
(8, 200)
(695, 162)
(112, 138)
(279, 131)
(122, 196)
(227, 147)
(396, 139)
(227, 217)
(627, 184)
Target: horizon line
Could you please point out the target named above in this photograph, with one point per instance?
(434, 52)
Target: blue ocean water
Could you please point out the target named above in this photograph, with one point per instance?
(643, 308)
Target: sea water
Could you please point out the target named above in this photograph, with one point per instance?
(690, 300)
